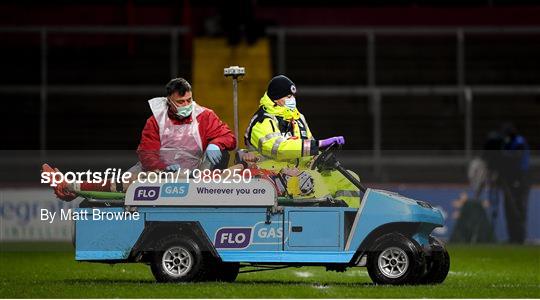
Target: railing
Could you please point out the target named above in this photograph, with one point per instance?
(44, 89)
(371, 89)
(376, 93)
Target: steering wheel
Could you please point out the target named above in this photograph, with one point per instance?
(326, 160)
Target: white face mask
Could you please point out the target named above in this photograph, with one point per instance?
(290, 103)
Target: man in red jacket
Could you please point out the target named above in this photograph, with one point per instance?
(181, 133)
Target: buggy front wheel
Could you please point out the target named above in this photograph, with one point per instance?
(395, 259)
(438, 263)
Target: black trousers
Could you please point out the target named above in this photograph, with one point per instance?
(516, 197)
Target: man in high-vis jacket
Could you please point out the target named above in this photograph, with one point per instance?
(280, 133)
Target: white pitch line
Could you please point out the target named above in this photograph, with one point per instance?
(320, 286)
(303, 274)
(467, 274)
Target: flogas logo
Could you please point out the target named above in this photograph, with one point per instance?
(174, 190)
(146, 193)
(269, 233)
(233, 238)
(242, 237)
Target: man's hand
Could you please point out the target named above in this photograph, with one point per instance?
(329, 141)
(213, 153)
(250, 157)
(173, 168)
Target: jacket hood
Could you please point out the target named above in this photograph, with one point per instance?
(281, 111)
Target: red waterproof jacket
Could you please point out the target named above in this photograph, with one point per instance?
(211, 129)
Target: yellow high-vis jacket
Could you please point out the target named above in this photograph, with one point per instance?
(279, 133)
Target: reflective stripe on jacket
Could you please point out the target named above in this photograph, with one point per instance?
(279, 133)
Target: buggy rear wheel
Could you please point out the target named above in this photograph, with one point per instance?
(177, 260)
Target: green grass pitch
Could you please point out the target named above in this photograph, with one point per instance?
(476, 272)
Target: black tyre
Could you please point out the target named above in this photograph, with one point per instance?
(178, 259)
(395, 259)
(437, 264)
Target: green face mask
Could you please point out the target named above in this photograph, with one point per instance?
(184, 111)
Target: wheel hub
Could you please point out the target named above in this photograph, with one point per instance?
(393, 262)
(177, 261)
